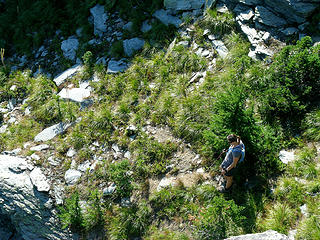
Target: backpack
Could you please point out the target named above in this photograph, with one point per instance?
(243, 153)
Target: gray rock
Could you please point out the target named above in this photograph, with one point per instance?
(99, 19)
(166, 18)
(268, 235)
(35, 157)
(109, 190)
(266, 17)
(39, 180)
(61, 78)
(69, 48)
(251, 33)
(11, 103)
(209, 3)
(50, 132)
(222, 8)
(40, 147)
(183, 43)
(72, 176)
(295, 11)
(220, 47)
(260, 53)
(128, 27)
(251, 2)
(71, 152)
(132, 45)
(183, 5)
(27, 209)
(58, 194)
(83, 167)
(244, 14)
(166, 182)
(54, 161)
(145, 27)
(116, 66)
(290, 31)
(75, 94)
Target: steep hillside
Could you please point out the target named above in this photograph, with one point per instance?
(112, 124)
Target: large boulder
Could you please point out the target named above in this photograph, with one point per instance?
(132, 45)
(183, 4)
(268, 235)
(61, 78)
(75, 94)
(266, 17)
(116, 66)
(69, 48)
(99, 19)
(28, 210)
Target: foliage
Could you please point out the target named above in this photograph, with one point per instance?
(280, 217)
(70, 214)
(219, 219)
(311, 125)
(94, 213)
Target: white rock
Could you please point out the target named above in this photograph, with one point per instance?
(12, 120)
(13, 88)
(220, 47)
(39, 180)
(71, 152)
(99, 19)
(304, 210)
(286, 156)
(127, 155)
(61, 78)
(40, 147)
(72, 176)
(75, 94)
(50, 132)
(268, 235)
(69, 48)
(3, 128)
(109, 190)
(35, 157)
(166, 182)
(54, 161)
(83, 167)
(132, 45)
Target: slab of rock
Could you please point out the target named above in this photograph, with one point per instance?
(27, 209)
(166, 182)
(251, 2)
(50, 132)
(40, 147)
(116, 66)
(99, 19)
(69, 48)
(132, 45)
(109, 190)
(220, 47)
(268, 235)
(286, 156)
(266, 17)
(61, 78)
(145, 27)
(183, 5)
(75, 94)
(39, 180)
(166, 18)
(72, 176)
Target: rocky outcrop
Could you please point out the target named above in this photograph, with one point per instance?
(99, 19)
(25, 201)
(69, 48)
(268, 235)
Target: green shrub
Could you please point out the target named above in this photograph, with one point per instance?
(218, 220)
(311, 125)
(156, 234)
(93, 217)
(280, 218)
(309, 229)
(70, 214)
(116, 50)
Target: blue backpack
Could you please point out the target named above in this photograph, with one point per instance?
(243, 153)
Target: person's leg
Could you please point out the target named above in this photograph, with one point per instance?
(229, 181)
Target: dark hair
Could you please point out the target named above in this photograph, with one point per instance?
(233, 138)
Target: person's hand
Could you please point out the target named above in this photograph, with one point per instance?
(223, 172)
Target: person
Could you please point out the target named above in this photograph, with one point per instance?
(228, 166)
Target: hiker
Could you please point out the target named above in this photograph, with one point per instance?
(229, 165)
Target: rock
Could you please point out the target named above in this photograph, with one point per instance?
(295, 11)
(109, 190)
(145, 27)
(209, 3)
(50, 132)
(127, 155)
(75, 94)
(99, 19)
(54, 161)
(266, 17)
(27, 209)
(260, 53)
(185, 44)
(35, 157)
(166, 182)
(83, 167)
(71, 152)
(125, 202)
(132, 45)
(222, 8)
(220, 47)
(69, 48)
(304, 210)
(183, 5)
(286, 156)
(72, 176)
(268, 235)
(128, 27)
(61, 78)
(292, 234)
(116, 66)
(11, 103)
(40, 147)
(251, 33)
(58, 194)
(290, 31)
(166, 18)
(251, 2)
(244, 14)
(39, 180)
